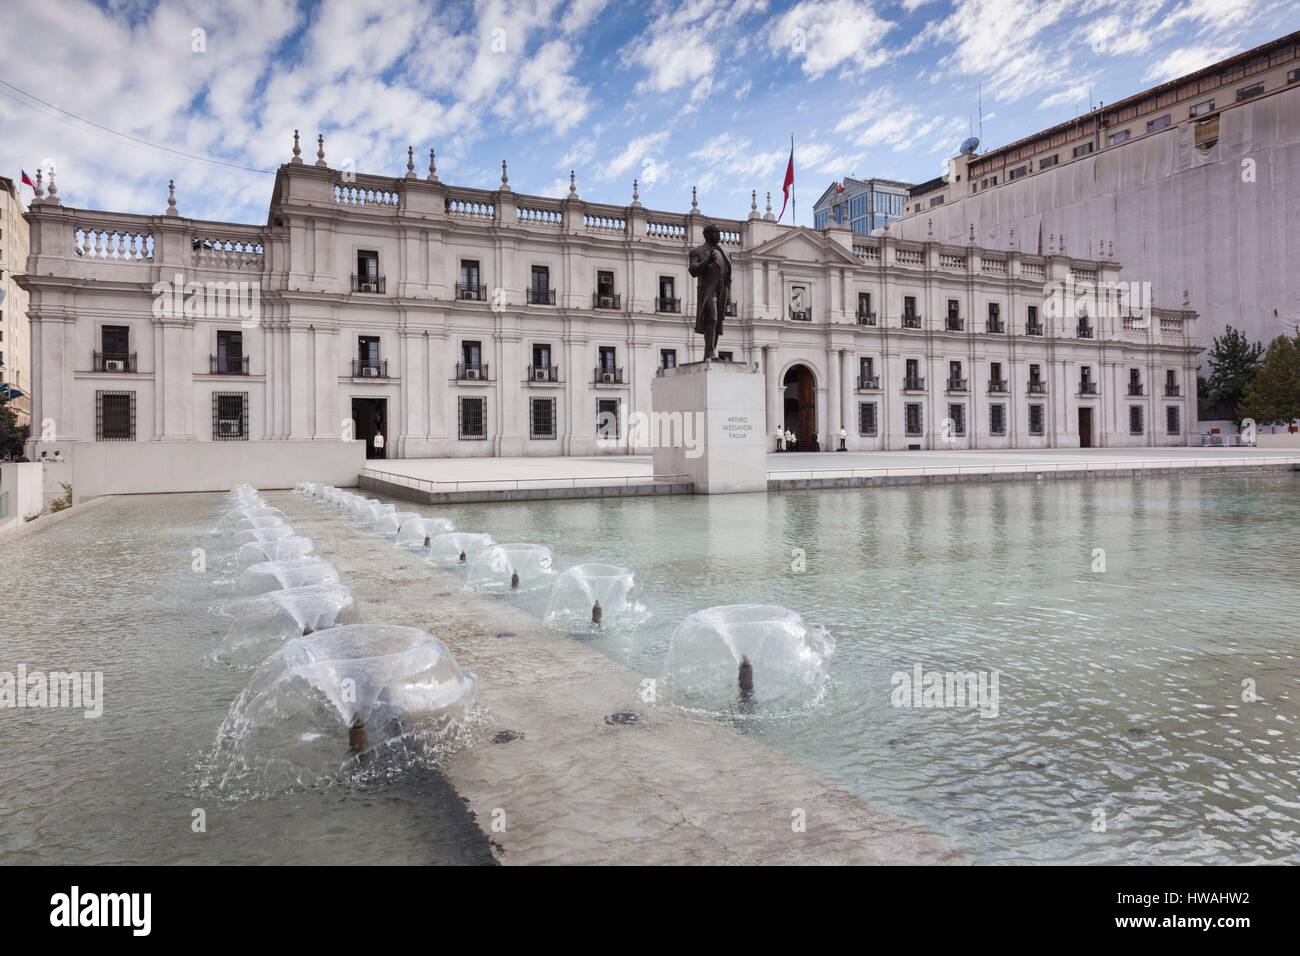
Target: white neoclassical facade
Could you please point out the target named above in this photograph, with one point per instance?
(459, 322)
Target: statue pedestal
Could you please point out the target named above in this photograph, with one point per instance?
(709, 423)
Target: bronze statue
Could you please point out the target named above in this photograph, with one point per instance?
(710, 265)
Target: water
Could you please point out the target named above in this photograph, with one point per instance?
(1121, 692)
(1121, 696)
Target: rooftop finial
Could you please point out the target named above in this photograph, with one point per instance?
(505, 176)
(53, 196)
(636, 192)
(768, 216)
(1051, 243)
(38, 189)
(573, 185)
(695, 204)
(410, 162)
(297, 150)
(433, 167)
(753, 204)
(1062, 243)
(171, 198)
(320, 151)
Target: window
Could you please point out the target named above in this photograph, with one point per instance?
(867, 419)
(471, 354)
(114, 416)
(230, 416)
(115, 341)
(1118, 137)
(1246, 92)
(541, 418)
(726, 357)
(1159, 123)
(866, 373)
(995, 372)
(607, 422)
(1048, 161)
(1035, 419)
(604, 283)
(667, 287)
(936, 200)
(912, 375)
(957, 415)
(367, 265)
(997, 419)
(667, 358)
(1031, 321)
(470, 275)
(1135, 420)
(541, 356)
(1173, 426)
(367, 355)
(1200, 109)
(539, 287)
(909, 306)
(1019, 171)
(1171, 382)
(230, 353)
(1293, 76)
(1135, 381)
(864, 304)
(471, 417)
(912, 418)
(799, 309)
(1083, 149)
(608, 358)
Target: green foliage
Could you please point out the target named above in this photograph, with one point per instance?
(1273, 396)
(12, 436)
(1234, 361)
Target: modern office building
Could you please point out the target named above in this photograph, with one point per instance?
(457, 322)
(864, 205)
(15, 335)
(1192, 182)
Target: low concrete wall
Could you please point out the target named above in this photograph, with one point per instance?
(20, 493)
(394, 489)
(1279, 440)
(129, 468)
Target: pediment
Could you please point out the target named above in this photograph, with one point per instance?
(805, 245)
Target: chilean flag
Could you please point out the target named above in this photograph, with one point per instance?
(789, 180)
(27, 180)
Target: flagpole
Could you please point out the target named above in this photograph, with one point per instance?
(794, 203)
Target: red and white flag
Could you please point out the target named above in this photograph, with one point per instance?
(789, 180)
(27, 180)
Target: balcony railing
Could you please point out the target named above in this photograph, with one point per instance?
(1085, 330)
(228, 364)
(370, 368)
(997, 386)
(911, 321)
(914, 383)
(667, 304)
(865, 318)
(956, 384)
(1135, 388)
(956, 323)
(1087, 388)
(544, 373)
(472, 372)
(113, 361)
(800, 316)
(474, 292)
(869, 383)
(1033, 328)
(1037, 388)
(374, 285)
(608, 376)
(996, 326)
(541, 296)
(1173, 391)
(606, 300)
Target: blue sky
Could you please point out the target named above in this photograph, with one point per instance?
(704, 93)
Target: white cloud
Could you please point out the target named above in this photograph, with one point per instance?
(1180, 61)
(825, 34)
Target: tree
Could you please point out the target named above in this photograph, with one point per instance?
(1233, 362)
(12, 436)
(1273, 397)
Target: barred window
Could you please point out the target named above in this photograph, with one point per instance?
(912, 418)
(997, 419)
(1135, 420)
(607, 418)
(867, 419)
(114, 416)
(1173, 424)
(471, 418)
(957, 413)
(1036, 419)
(541, 418)
(230, 416)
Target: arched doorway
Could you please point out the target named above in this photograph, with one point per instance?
(801, 405)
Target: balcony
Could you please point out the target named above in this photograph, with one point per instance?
(370, 368)
(548, 374)
(803, 316)
(1033, 328)
(865, 318)
(472, 372)
(1087, 388)
(995, 326)
(228, 364)
(1085, 330)
(668, 305)
(608, 376)
(997, 386)
(471, 293)
(1173, 391)
(113, 361)
(955, 323)
(1136, 389)
(868, 383)
(1037, 388)
(606, 300)
(371, 285)
(914, 383)
(957, 385)
(541, 296)
(911, 321)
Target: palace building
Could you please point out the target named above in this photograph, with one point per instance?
(458, 321)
